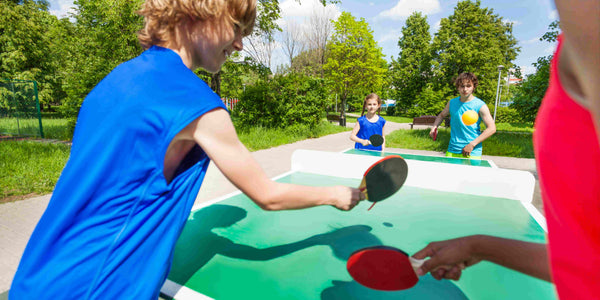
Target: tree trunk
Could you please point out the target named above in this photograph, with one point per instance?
(343, 113)
(215, 83)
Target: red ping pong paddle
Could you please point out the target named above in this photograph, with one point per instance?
(376, 140)
(384, 178)
(435, 134)
(383, 268)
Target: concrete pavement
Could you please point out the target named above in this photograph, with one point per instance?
(18, 219)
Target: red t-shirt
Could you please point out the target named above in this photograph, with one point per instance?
(568, 160)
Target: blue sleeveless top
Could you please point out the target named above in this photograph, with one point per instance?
(368, 129)
(112, 222)
(461, 134)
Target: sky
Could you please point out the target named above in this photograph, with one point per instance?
(386, 18)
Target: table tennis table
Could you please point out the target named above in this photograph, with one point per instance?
(440, 159)
(231, 249)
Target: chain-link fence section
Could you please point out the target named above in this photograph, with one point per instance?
(20, 109)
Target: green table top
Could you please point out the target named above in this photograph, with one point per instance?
(235, 250)
(441, 159)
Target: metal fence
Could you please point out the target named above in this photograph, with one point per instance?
(20, 109)
(230, 103)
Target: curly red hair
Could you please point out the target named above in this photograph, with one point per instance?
(162, 16)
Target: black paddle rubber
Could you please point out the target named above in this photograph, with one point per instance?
(376, 140)
(385, 177)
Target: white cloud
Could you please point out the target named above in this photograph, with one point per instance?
(514, 22)
(527, 70)
(436, 26)
(291, 8)
(299, 12)
(61, 8)
(390, 35)
(530, 41)
(405, 8)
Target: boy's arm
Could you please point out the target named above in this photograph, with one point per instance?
(215, 133)
(440, 117)
(449, 257)
(490, 129)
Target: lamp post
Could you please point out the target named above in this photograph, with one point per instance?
(500, 67)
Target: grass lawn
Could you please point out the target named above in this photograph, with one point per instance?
(513, 127)
(502, 143)
(395, 119)
(53, 128)
(259, 138)
(30, 168)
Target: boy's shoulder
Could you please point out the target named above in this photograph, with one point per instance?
(478, 100)
(454, 99)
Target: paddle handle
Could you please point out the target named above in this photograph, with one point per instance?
(415, 262)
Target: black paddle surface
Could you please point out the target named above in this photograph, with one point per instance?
(376, 140)
(384, 178)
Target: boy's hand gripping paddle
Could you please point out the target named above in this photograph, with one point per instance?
(384, 268)
(434, 134)
(384, 178)
(376, 140)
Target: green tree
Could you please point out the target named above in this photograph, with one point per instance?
(25, 48)
(105, 36)
(429, 101)
(528, 97)
(411, 72)
(472, 39)
(284, 101)
(62, 35)
(355, 65)
(307, 62)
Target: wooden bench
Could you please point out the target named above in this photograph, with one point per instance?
(333, 117)
(427, 120)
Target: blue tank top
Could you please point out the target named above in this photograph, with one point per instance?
(368, 129)
(461, 134)
(112, 222)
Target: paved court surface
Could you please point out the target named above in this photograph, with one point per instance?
(18, 219)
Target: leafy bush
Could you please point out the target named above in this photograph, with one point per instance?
(506, 114)
(283, 101)
(390, 111)
(429, 102)
(529, 95)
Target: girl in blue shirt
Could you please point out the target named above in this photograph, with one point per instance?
(369, 124)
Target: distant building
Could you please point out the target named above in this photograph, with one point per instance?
(388, 103)
(515, 80)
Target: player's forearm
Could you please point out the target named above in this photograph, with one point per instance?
(526, 257)
(438, 120)
(356, 139)
(489, 131)
(249, 177)
(282, 196)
